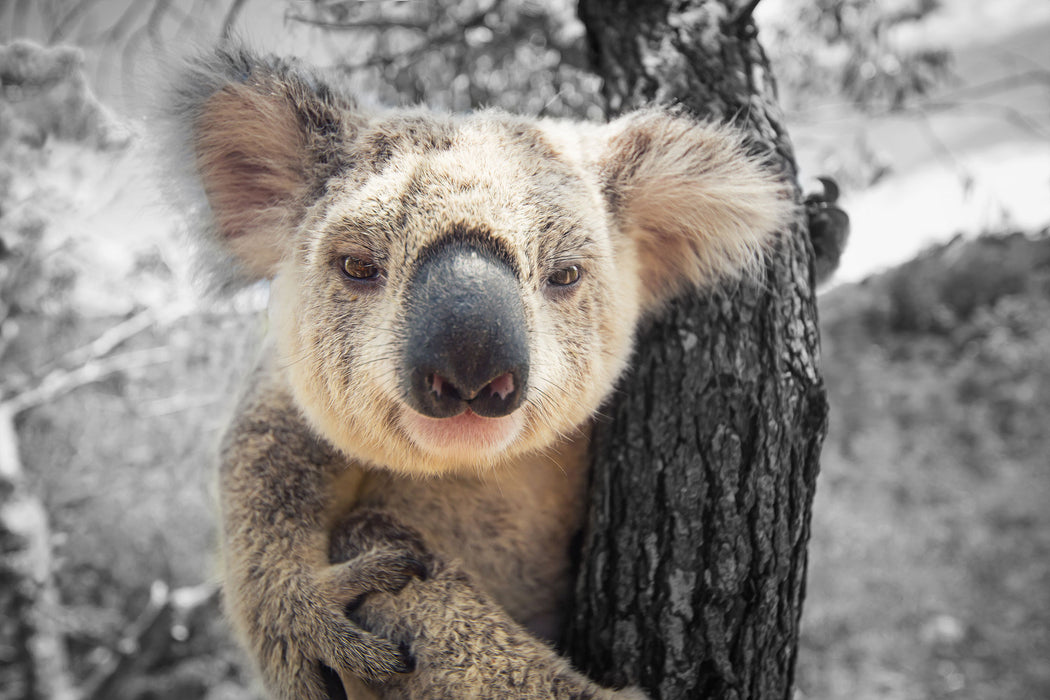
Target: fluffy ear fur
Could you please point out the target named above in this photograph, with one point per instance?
(697, 206)
(262, 135)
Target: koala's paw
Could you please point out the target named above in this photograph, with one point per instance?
(379, 569)
(313, 634)
(466, 646)
(374, 553)
(307, 638)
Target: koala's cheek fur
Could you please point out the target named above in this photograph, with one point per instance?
(343, 356)
(583, 343)
(332, 348)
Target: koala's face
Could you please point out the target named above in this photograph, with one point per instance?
(459, 299)
(451, 292)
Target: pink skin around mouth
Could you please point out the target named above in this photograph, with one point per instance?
(466, 432)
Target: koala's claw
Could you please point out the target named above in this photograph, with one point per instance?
(371, 554)
(366, 656)
(323, 635)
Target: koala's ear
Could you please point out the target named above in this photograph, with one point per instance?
(697, 206)
(260, 134)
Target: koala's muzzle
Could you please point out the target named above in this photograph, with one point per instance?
(466, 343)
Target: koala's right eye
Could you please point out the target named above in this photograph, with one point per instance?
(359, 268)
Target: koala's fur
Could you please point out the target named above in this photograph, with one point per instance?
(362, 536)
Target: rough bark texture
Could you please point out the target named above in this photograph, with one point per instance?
(694, 560)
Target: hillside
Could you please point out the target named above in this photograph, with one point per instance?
(930, 560)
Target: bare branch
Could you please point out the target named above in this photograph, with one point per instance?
(60, 382)
(452, 34)
(380, 24)
(149, 637)
(110, 339)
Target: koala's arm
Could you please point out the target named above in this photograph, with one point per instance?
(462, 643)
(286, 601)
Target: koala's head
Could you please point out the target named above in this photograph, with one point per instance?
(451, 291)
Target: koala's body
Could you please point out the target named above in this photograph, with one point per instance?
(452, 299)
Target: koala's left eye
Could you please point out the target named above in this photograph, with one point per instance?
(566, 276)
(359, 268)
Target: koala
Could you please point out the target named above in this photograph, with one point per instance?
(452, 298)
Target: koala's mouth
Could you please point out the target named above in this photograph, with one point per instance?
(466, 434)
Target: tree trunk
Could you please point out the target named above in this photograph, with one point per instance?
(694, 560)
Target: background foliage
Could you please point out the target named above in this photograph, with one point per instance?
(930, 573)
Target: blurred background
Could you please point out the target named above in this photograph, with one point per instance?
(930, 561)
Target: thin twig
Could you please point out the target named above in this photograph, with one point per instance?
(380, 24)
(60, 382)
(104, 344)
(110, 339)
(148, 638)
(431, 42)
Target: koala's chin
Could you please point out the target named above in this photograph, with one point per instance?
(466, 438)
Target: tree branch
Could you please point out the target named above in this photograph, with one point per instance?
(149, 637)
(59, 382)
(110, 338)
(454, 33)
(380, 24)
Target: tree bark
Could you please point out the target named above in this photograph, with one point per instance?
(694, 558)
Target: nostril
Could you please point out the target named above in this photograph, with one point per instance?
(502, 395)
(442, 387)
(502, 386)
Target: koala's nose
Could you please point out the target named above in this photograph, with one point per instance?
(466, 343)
